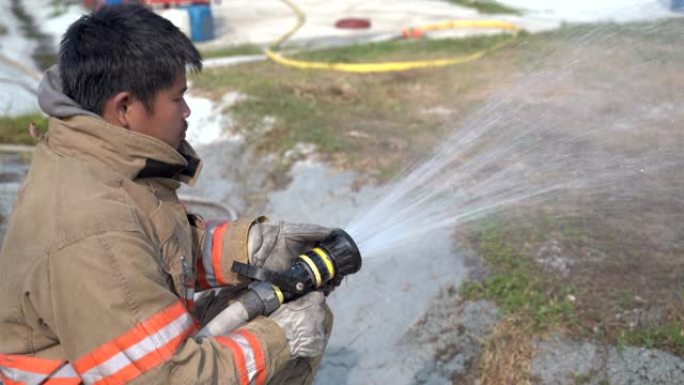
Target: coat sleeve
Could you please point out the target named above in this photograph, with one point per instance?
(118, 322)
(223, 243)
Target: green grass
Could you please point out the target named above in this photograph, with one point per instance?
(319, 107)
(14, 130)
(581, 379)
(519, 286)
(59, 7)
(405, 50)
(487, 6)
(238, 50)
(667, 336)
(516, 284)
(297, 118)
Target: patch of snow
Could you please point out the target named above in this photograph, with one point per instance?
(13, 44)
(204, 122)
(595, 11)
(54, 21)
(207, 124)
(17, 96)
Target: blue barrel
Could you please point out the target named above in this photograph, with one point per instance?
(201, 22)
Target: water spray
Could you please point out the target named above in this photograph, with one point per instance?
(321, 268)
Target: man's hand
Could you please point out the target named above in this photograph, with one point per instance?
(303, 322)
(275, 246)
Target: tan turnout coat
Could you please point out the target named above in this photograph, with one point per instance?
(98, 267)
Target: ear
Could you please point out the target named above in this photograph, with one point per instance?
(116, 109)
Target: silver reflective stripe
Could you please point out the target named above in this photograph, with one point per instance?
(206, 255)
(250, 360)
(66, 371)
(18, 375)
(147, 345)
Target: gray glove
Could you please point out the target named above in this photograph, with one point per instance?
(303, 322)
(275, 246)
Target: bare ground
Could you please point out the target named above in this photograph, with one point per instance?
(617, 245)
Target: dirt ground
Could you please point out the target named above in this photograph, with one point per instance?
(615, 96)
(612, 96)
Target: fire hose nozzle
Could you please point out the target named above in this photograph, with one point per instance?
(320, 268)
(326, 264)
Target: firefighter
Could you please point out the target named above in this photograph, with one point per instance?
(101, 263)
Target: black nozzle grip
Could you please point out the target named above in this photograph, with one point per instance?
(283, 281)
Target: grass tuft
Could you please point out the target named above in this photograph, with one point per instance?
(517, 285)
(508, 351)
(238, 50)
(487, 6)
(404, 50)
(590, 301)
(14, 130)
(668, 336)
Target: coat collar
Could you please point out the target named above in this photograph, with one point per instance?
(133, 154)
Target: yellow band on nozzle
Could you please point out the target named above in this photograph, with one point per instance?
(313, 267)
(278, 294)
(326, 260)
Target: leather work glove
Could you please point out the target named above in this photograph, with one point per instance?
(275, 246)
(303, 322)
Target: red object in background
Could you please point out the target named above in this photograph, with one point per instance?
(352, 23)
(411, 33)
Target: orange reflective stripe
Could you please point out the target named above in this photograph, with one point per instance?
(150, 361)
(238, 357)
(259, 357)
(202, 274)
(216, 251)
(7, 381)
(140, 349)
(30, 364)
(63, 381)
(28, 370)
(134, 335)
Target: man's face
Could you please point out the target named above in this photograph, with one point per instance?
(167, 121)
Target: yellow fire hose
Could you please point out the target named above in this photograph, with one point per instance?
(394, 66)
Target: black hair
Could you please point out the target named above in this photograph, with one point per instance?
(124, 47)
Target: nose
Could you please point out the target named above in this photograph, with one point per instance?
(186, 109)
